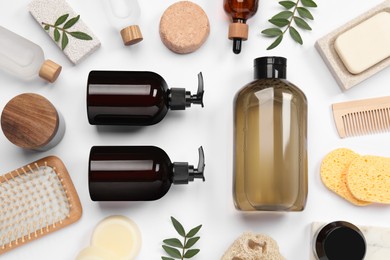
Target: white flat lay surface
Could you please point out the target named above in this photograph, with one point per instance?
(182, 132)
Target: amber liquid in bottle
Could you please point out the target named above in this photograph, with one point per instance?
(270, 171)
(240, 11)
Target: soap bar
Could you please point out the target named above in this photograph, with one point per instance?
(96, 253)
(366, 44)
(119, 235)
(65, 27)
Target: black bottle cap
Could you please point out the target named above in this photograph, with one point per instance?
(184, 173)
(270, 68)
(179, 98)
(340, 240)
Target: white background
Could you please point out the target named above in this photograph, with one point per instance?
(182, 132)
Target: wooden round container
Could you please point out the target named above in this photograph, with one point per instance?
(31, 122)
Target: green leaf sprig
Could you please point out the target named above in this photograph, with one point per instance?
(177, 249)
(63, 31)
(286, 19)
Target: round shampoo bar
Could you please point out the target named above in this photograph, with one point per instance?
(30, 121)
(184, 27)
(366, 44)
(339, 240)
(118, 235)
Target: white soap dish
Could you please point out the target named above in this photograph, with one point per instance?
(326, 48)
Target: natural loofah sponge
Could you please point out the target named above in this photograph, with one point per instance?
(369, 178)
(251, 246)
(334, 169)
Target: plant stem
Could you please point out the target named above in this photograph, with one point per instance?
(56, 27)
(184, 245)
(292, 16)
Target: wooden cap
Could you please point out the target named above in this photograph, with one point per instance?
(184, 27)
(238, 30)
(50, 71)
(29, 121)
(131, 35)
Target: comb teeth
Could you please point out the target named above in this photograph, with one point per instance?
(35, 200)
(362, 117)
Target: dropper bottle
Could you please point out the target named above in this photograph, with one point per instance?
(135, 98)
(240, 11)
(137, 173)
(25, 59)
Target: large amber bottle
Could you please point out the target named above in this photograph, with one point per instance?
(270, 141)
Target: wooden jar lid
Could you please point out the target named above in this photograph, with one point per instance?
(131, 35)
(184, 27)
(29, 121)
(238, 30)
(50, 71)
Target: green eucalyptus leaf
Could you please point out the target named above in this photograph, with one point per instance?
(61, 19)
(193, 231)
(166, 258)
(191, 253)
(47, 27)
(272, 32)
(303, 12)
(71, 22)
(283, 15)
(279, 22)
(309, 3)
(287, 4)
(295, 35)
(56, 35)
(179, 228)
(276, 42)
(173, 242)
(81, 36)
(191, 242)
(65, 41)
(301, 23)
(172, 251)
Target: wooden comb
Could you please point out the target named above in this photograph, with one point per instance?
(35, 200)
(361, 117)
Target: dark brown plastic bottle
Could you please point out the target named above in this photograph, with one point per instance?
(240, 11)
(136, 173)
(134, 98)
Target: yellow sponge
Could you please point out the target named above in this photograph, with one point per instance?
(334, 170)
(369, 178)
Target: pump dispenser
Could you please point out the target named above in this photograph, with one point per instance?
(135, 97)
(25, 59)
(136, 173)
(240, 11)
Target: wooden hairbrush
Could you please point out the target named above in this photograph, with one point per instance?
(35, 200)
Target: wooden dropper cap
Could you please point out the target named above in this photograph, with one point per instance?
(238, 30)
(29, 121)
(131, 35)
(50, 71)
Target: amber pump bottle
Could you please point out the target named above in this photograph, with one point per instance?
(270, 141)
(136, 173)
(135, 98)
(240, 11)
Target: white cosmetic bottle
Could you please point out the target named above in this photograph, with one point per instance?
(25, 59)
(124, 16)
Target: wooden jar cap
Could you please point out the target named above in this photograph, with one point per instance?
(131, 35)
(29, 121)
(50, 71)
(238, 30)
(184, 27)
